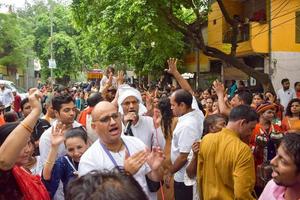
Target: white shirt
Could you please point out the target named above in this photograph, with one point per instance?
(44, 146)
(95, 158)
(189, 129)
(286, 96)
(6, 97)
(104, 80)
(145, 130)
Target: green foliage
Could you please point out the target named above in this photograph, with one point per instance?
(129, 32)
(71, 49)
(15, 42)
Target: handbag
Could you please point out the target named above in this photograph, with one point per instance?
(31, 186)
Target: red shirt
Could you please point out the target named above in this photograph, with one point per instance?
(17, 103)
(258, 154)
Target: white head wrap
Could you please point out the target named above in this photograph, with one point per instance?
(127, 91)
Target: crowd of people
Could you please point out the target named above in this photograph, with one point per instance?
(117, 141)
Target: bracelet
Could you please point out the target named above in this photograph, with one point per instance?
(24, 125)
(48, 162)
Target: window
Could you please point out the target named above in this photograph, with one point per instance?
(298, 27)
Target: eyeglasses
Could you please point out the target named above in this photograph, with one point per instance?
(106, 119)
(127, 103)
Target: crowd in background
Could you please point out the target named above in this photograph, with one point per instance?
(115, 140)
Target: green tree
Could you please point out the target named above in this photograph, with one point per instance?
(128, 33)
(70, 49)
(15, 42)
(126, 28)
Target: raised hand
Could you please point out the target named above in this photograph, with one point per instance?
(155, 158)
(120, 78)
(157, 117)
(57, 136)
(172, 63)
(34, 98)
(133, 163)
(219, 87)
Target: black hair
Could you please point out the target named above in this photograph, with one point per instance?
(77, 132)
(23, 102)
(183, 96)
(291, 143)
(211, 120)
(245, 96)
(259, 94)
(10, 116)
(243, 112)
(296, 83)
(284, 80)
(57, 101)
(93, 99)
(164, 106)
(105, 185)
(6, 129)
(288, 108)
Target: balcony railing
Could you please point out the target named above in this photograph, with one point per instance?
(243, 33)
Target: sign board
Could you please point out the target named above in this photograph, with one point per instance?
(52, 63)
(252, 81)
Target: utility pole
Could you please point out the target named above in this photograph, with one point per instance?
(198, 68)
(270, 36)
(51, 41)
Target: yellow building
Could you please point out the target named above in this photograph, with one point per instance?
(259, 37)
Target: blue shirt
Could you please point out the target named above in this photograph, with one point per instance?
(62, 171)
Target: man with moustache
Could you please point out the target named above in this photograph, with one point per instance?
(285, 184)
(145, 128)
(115, 151)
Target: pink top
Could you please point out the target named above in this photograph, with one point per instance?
(273, 191)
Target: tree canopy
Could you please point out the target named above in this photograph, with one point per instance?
(126, 29)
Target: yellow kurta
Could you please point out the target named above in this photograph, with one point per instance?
(225, 167)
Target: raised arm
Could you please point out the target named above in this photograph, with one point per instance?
(57, 138)
(19, 137)
(220, 90)
(172, 63)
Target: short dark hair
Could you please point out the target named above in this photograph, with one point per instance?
(245, 96)
(243, 112)
(210, 120)
(10, 116)
(105, 185)
(6, 129)
(284, 80)
(93, 99)
(23, 102)
(291, 143)
(77, 132)
(296, 83)
(183, 96)
(57, 101)
(288, 108)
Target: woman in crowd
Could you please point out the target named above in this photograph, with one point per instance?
(64, 168)
(291, 121)
(168, 123)
(205, 95)
(258, 99)
(209, 106)
(15, 181)
(32, 163)
(271, 98)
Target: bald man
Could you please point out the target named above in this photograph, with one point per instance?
(115, 151)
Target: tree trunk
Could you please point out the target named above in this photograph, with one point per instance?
(262, 78)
